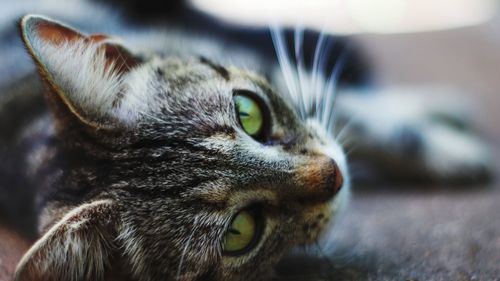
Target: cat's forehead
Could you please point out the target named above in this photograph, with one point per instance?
(195, 95)
(187, 89)
(199, 69)
(203, 77)
(174, 81)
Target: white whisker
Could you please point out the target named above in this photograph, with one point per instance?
(286, 66)
(331, 89)
(342, 133)
(153, 117)
(184, 251)
(323, 60)
(315, 71)
(299, 65)
(314, 94)
(351, 149)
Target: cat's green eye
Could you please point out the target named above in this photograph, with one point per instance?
(251, 114)
(242, 233)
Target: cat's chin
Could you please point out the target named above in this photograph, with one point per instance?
(314, 222)
(318, 219)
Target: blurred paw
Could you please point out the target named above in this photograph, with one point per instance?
(453, 155)
(415, 134)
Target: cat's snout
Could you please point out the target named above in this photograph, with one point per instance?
(319, 177)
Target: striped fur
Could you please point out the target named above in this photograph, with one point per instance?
(146, 165)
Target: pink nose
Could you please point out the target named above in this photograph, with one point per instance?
(319, 177)
(335, 180)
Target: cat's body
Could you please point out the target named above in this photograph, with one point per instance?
(143, 167)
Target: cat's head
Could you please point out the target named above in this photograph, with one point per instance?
(186, 168)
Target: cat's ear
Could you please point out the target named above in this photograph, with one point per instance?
(78, 247)
(84, 73)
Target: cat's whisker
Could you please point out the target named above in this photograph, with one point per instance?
(327, 245)
(331, 88)
(326, 257)
(184, 250)
(347, 143)
(315, 71)
(153, 117)
(340, 127)
(351, 149)
(342, 254)
(320, 78)
(285, 66)
(300, 68)
(344, 132)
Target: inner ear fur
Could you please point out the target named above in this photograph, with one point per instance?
(47, 41)
(78, 247)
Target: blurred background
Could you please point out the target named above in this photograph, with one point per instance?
(398, 231)
(355, 16)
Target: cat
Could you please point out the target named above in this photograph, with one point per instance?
(143, 151)
(174, 167)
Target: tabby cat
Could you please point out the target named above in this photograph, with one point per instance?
(174, 157)
(168, 167)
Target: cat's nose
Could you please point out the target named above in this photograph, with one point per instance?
(319, 177)
(335, 180)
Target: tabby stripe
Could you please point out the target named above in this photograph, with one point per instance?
(218, 68)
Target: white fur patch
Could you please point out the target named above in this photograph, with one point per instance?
(78, 69)
(63, 245)
(137, 86)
